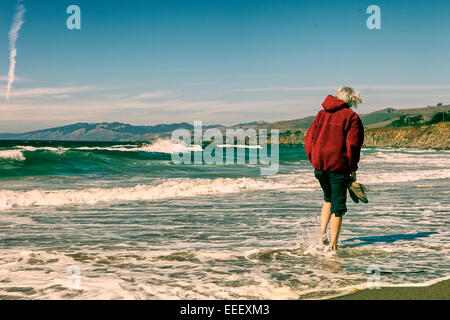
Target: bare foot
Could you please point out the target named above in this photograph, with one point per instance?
(324, 238)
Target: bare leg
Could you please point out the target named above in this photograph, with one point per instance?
(324, 218)
(335, 227)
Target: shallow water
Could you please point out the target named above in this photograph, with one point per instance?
(137, 226)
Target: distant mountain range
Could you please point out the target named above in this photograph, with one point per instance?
(104, 131)
(125, 132)
(115, 131)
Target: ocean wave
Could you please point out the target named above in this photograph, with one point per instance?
(159, 146)
(11, 155)
(32, 149)
(368, 177)
(163, 146)
(171, 188)
(373, 177)
(416, 159)
(299, 181)
(167, 146)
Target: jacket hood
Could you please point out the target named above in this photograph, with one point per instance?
(332, 104)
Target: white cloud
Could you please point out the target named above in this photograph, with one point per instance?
(154, 95)
(49, 91)
(16, 79)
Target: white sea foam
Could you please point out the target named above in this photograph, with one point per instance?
(417, 159)
(168, 146)
(299, 181)
(161, 146)
(171, 188)
(212, 278)
(114, 284)
(123, 145)
(12, 154)
(370, 178)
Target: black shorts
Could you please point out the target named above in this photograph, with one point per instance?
(334, 186)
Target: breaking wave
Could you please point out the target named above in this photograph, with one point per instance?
(11, 155)
(171, 188)
(300, 181)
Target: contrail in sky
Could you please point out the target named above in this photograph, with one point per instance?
(13, 35)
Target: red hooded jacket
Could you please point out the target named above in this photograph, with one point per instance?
(333, 142)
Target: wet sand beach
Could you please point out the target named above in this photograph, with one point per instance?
(437, 291)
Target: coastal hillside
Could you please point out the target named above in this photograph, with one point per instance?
(409, 128)
(376, 119)
(435, 136)
(387, 116)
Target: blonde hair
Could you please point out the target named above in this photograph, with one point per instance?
(349, 95)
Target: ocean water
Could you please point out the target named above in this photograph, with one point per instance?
(120, 221)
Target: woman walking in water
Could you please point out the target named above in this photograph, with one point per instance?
(333, 145)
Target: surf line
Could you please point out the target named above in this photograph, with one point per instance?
(256, 143)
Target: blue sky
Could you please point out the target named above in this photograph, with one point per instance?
(149, 62)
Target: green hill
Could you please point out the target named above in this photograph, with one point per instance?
(377, 119)
(380, 131)
(386, 116)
